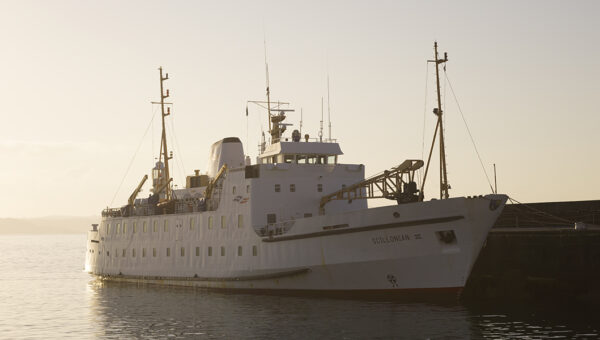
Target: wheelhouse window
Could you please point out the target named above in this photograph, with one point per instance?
(197, 251)
(223, 222)
(168, 252)
(166, 226)
(222, 251)
(277, 187)
(192, 222)
(240, 221)
(182, 251)
(145, 227)
(239, 250)
(209, 251)
(292, 187)
(124, 228)
(210, 222)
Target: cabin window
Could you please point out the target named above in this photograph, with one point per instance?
(168, 252)
(274, 159)
(133, 252)
(124, 228)
(277, 188)
(143, 252)
(320, 187)
(222, 251)
(182, 251)
(301, 159)
(209, 251)
(145, 227)
(271, 218)
(233, 190)
(124, 250)
(222, 222)
(331, 160)
(155, 226)
(254, 250)
(134, 227)
(166, 226)
(153, 252)
(197, 251)
(292, 187)
(192, 222)
(240, 221)
(210, 222)
(239, 250)
(108, 228)
(288, 159)
(307, 215)
(310, 159)
(118, 228)
(248, 188)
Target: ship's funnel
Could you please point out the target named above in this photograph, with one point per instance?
(226, 151)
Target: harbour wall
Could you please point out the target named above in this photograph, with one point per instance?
(535, 252)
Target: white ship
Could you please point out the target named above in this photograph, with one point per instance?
(297, 220)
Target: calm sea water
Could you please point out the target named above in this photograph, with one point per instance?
(44, 293)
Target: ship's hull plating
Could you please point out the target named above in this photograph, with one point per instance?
(413, 247)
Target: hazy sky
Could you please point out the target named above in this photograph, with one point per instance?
(78, 77)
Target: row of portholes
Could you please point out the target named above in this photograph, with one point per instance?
(182, 252)
(122, 229)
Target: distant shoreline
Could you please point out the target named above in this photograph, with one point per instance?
(48, 225)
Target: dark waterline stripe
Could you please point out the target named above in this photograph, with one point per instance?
(362, 229)
(212, 279)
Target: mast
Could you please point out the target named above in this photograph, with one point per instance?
(443, 171)
(163, 146)
(444, 186)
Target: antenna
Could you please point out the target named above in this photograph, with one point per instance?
(321, 128)
(267, 76)
(495, 182)
(301, 113)
(328, 108)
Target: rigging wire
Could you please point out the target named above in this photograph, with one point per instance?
(133, 158)
(424, 112)
(468, 130)
(180, 166)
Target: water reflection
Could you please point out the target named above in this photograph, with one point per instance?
(126, 310)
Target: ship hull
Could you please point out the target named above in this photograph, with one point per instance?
(408, 249)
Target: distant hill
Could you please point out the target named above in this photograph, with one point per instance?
(48, 225)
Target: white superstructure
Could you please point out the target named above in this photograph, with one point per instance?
(296, 220)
